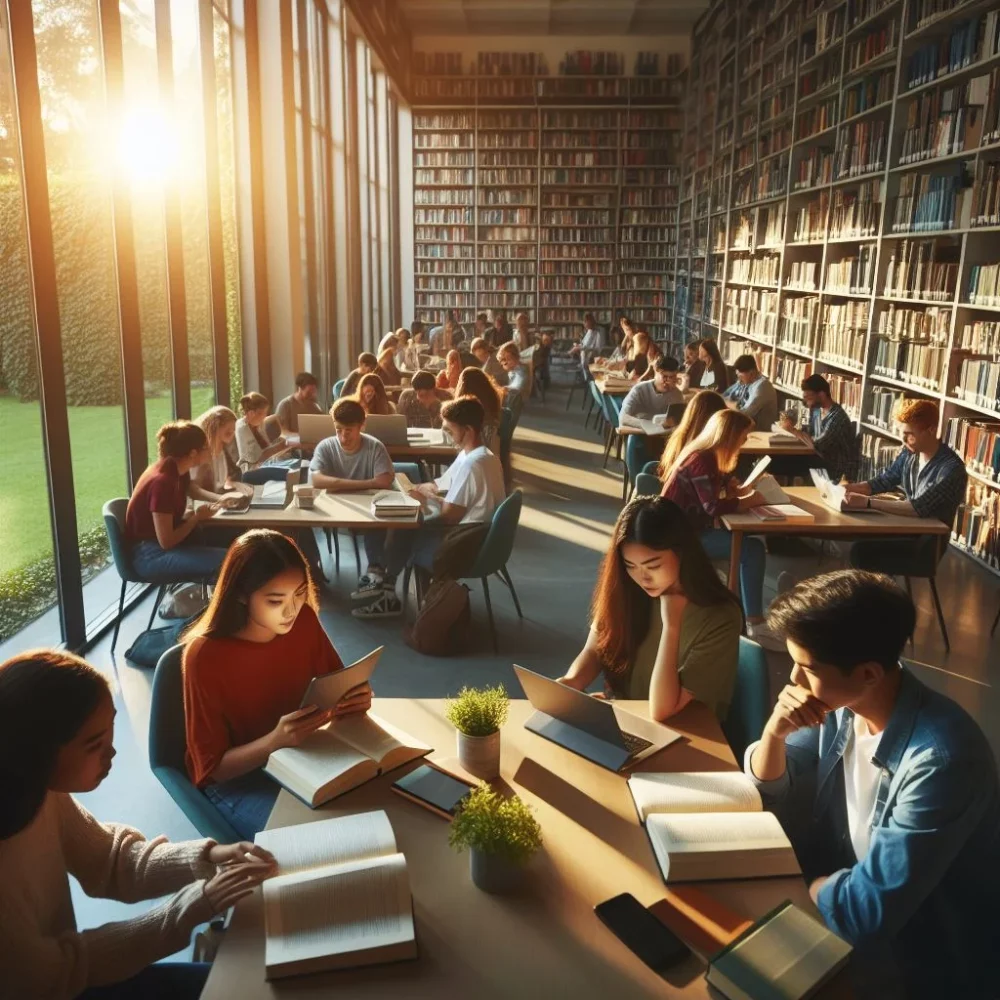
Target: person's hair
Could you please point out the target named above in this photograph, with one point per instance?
(348, 412)
(483, 317)
(520, 314)
(402, 334)
(46, 696)
(423, 380)
(665, 363)
(253, 401)
(717, 365)
(213, 420)
(367, 358)
(179, 438)
(380, 404)
(920, 412)
(745, 363)
(696, 415)
(845, 618)
(510, 348)
(815, 383)
(621, 608)
(589, 320)
(388, 343)
(388, 355)
(453, 357)
(652, 347)
(305, 379)
(640, 344)
(722, 435)
(466, 411)
(475, 382)
(417, 328)
(257, 556)
(624, 321)
(692, 345)
(478, 343)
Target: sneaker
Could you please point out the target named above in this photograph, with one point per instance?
(386, 605)
(765, 637)
(370, 585)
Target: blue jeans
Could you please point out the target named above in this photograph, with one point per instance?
(246, 802)
(165, 981)
(718, 543)
(418, 546)
(375, 548)
(182, 562)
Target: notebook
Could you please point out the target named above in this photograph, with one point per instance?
(346, 753)
(341, 898)
(783, 512)
(710, 825)
(786, 955)
(392, 503)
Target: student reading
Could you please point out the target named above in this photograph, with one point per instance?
(752, 393)
(887, 790)
(56, 740)
(663, 625)
(247, 663)
(303, 400)
(828, 429)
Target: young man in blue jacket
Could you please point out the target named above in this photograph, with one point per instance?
(888, 791)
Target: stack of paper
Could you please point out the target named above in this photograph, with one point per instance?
(392, 503)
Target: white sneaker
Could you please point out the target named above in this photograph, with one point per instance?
(764, 636)
(386, 605)
(370, 585)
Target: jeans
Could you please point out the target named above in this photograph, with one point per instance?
(417, 546)
(375, 547)
(718, 544)
(182, 562)
(164, 981)
(246, 802)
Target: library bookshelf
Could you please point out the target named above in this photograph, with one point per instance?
(549, 195)
(840, 191)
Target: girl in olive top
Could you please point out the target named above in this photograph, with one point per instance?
(664, 627)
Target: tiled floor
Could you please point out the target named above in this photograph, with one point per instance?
(570, 504)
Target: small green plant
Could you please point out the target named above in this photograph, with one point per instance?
(479, 711)
(495, 825)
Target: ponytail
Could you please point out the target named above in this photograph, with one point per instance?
(179, 438)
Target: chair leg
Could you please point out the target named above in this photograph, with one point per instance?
(336, 548)
(505, 576)
(940, 614)
(607, 446)
(569, 398)
(357, 554)
(489, 611)
(329, 542)
(408, 570)
(156, 603)
(909, 587)
(118, 620)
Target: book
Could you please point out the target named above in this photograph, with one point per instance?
(783, 512)
(341, 898)
(346, 753)
(392, 503)
(786, 955)
(767, 486)
(710, 825)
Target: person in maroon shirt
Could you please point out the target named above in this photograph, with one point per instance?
(157, 526)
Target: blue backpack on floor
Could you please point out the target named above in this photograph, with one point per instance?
(154, 642)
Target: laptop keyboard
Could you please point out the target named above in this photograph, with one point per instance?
(634, 744)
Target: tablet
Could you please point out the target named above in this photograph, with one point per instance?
(435, 790)
(327, 690)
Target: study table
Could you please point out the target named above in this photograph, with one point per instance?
(436, 448)
(827, 524)
(332, 510)
(544, 941)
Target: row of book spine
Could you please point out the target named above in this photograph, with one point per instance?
(916, 271)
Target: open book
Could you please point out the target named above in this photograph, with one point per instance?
(710, 825)
(783, 512)
(767, 486)
(346, 753)
(341, 898)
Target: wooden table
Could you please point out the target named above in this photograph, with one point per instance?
(436, 450)
(758, 443)
(546, 941)
(828, 524)
(332, 510)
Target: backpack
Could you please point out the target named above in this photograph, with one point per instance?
(443, 621)
(154, 642)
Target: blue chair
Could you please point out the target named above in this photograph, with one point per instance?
(596, 406)
(636, 458)
(611, 409)
(168, 744)
(751, 704)
(647, 485)
(114, 524)
(651, 467)
(338, 389)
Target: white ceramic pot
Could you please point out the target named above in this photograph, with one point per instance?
(480, 755)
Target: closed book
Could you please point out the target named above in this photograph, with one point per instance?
(783, 512)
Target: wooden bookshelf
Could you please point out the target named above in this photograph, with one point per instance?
(853, 209)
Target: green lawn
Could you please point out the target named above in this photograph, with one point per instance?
(97, 439)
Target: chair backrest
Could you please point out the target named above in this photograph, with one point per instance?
(272, 427)
(514, 404)
(635, 455)
(114, 525)
(338, 388)
(499, 541)
(751, 704)
(647, 485)
(611, 412)
(167, 737)
(651, 467)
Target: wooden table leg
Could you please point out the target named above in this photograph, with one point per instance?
(734, 562)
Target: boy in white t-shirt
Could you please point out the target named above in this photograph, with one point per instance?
(468, 493)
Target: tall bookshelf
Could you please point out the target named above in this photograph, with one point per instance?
(572, 185)
(860, 230)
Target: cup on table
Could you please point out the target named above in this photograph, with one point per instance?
(305, 496)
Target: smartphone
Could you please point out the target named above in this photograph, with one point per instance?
(435, 790)
(641, 932)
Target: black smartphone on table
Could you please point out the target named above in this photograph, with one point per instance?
(433, 789)
(640, 931)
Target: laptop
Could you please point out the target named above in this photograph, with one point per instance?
(315, 427)
(589, 726)
(390, 430)
(275, 495)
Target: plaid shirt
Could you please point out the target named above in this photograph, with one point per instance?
(696, 487)
(835, 441)
(936, 490)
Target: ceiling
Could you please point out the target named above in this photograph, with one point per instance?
(551, 17)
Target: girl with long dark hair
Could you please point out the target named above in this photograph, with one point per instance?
(475, 382)
(663, 625)
(372, 396)
(716, 374)
(56, 740)
(247, 663)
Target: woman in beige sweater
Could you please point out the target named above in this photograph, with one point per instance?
(56, 731)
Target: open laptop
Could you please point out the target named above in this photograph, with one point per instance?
(315, 427)
(389, 429)
(589, 726)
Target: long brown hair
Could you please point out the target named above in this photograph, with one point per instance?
(723, 435)
(475, 382)
(696, 415)
(254, 558)
(380, 404)
(621, 608)
(453, 363)
(718, 366)
(212, 421)
(179, 438)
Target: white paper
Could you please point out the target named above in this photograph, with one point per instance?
(693, 792)
(767, 486)
(696, 832)
(372, 736)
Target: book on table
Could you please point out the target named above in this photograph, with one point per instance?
(341, 897)
(779, 506)
(710, 825)
(342, 755)
(786, 955)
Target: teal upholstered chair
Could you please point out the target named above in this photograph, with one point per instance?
(636, 457)
(647, 485)
(338, 389)
(168, 744)
(751, 704)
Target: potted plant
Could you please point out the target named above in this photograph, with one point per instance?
(501, 835)
(477, 715)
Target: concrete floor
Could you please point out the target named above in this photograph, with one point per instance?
(570, 505)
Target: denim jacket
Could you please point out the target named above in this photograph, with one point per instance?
(928, 890)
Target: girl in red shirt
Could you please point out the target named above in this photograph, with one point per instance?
(247, 663)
